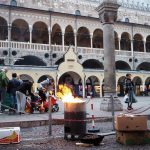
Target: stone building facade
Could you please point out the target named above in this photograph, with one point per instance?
(35, 37)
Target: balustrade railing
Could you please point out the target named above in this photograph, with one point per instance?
(4, 44)
(59, 49)
(123, 53)
(20, 45)
(142, 54)
(85, 50)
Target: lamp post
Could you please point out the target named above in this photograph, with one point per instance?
(108, 14)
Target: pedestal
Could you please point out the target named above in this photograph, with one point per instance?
(106, 104)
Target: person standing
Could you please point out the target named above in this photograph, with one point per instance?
(3, 85)
(45, 87)
(25, 89)
(13, 84)
(129, 91)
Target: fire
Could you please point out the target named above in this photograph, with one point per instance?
(65, 94)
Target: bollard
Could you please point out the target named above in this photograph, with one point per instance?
(94, 129)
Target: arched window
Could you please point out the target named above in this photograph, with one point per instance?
(98, 39)
(138, 44)
(56, 35)
(40, 33)
(83, 37)
(125, 42)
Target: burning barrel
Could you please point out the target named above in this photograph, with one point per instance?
(75, 119)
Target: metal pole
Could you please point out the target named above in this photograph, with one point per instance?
(50, 44)
(50, 116)
(9, 37)
(113, 113)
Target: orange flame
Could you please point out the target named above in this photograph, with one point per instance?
(65, 94)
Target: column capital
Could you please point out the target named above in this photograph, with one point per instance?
(108, 11)
(30, 28)
(9, 26)
(49, 30)
(91, 35)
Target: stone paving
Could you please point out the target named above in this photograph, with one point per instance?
(142, 104)
(36, 138)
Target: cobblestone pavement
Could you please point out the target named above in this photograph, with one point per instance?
(37, 139)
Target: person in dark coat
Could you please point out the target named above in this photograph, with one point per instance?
(129, 91)
(11, 89)
(25, 89)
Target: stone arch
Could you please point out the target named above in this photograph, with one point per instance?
(92, 64)
(59, 61)
(26, 77)
(44, 77)
(73, 80)
(144, 66)
(2, 62)
(98, 38)
(56, 35)
(92, 87)
(3, 29)
(116, 40)
(148, 44)
(20, 31)
(30, 60)
(137, 85)
(147, 81)
(138, 43)
(83, 37)
(69, 35)
(40, 33)
(122, 65)
(120, 86)
(147, 86)
(125, 41)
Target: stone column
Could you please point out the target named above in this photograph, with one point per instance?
(132, 50)
(144, 42)
(75, 41)
(49, 36)
(83, 86)
(30, 30)
(63, 41)
(101, 83)
(9, 44)
(108, 15)
(50, 63)
(143, 87)
(132, 54)
(119, 40)
(91, 37)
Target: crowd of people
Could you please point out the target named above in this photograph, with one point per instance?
(17, 91)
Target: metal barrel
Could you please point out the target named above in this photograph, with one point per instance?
(75, 119)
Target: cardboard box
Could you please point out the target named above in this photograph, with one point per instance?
(9, 135)
(130, 123)
(133, 138)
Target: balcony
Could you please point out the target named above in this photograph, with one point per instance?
(24, 46)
